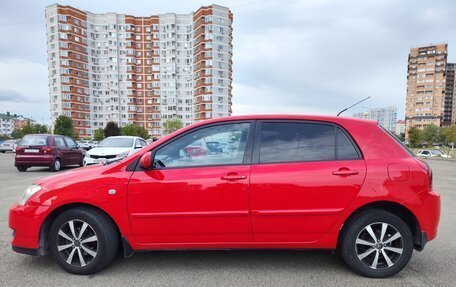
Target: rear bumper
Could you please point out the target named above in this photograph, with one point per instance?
(428, 215)
(34, 160)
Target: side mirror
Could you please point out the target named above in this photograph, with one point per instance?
(138, 146)
(146, 160)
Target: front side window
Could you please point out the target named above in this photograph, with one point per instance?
(294, 142)
(71, 143)
(216, 145)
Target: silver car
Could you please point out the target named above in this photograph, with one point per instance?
(7, 145)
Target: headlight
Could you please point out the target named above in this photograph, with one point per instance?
(124, 154)
(31, 190)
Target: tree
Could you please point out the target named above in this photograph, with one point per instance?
(98, 135)
(134, 130)
(64, 126)
(170, 126)
(415, 136)
(111, 129)
(449, 133)
(29, 128)
(430, 134)
(401, 137)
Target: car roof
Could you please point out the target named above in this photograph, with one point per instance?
(124, 137)
(330, 119)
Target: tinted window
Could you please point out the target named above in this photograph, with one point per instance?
(193, 150)
(37, 140)
(345, 149)
(142, 142)
(290, 142)
(59, 142)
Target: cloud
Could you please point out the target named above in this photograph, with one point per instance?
(313, 56)
(7, 95)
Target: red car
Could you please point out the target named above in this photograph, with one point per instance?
(292, 182)
(53, 151)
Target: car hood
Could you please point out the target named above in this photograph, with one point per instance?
(73, 176)
(100, 151)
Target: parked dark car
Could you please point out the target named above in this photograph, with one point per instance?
(214, 147)
(54, 151)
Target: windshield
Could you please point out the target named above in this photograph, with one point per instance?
(39, 140)
(116, 142)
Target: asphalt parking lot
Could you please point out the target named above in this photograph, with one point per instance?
(435, 266)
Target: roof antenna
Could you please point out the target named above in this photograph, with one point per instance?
(352, 106)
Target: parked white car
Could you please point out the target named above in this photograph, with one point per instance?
(7, 145)
(432, 153)
(113, 147)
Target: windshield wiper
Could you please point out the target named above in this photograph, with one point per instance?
(109, 161)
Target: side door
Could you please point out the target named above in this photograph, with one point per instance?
(303, 176)
(195, 199)
(75, 153)
(62, 150)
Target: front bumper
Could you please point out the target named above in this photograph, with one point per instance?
(89, 161)
(26, 222)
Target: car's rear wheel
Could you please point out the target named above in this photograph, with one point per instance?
(56, 165)
(376, 243)
(22, 168)
(83, 240)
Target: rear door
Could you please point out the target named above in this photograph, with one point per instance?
(303, 176)
(74, 152)
(62, 150)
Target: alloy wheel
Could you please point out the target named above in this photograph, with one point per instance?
(77, 243)
(379, 245)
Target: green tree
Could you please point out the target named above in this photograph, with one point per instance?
(98, 135)
(64, 126)
(415, 136)
(449, 133)
(134, 130)
(111, 129)
(430, 134)
(401, 137)
(170, 126)
(17, 134)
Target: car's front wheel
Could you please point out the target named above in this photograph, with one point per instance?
(83, 240)
(376, 243)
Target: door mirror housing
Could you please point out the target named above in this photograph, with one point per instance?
(138, 146)
(146, 160)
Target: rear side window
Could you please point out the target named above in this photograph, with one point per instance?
(296, 142)
(345, 148)
(34, 140)
(290, 142)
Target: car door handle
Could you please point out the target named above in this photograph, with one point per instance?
(233, 177)
(345, 172)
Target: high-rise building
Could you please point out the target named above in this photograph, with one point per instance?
(400, 127)
(429, 98)
(450, 95)
(386, 117)
(139, 70)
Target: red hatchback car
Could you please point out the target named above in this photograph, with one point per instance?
(292, 182)
(53, 151)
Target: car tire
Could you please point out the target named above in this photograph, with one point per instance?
(96, 254)
(2, 151)
(22, 168)
(386, 256)
(56, 165)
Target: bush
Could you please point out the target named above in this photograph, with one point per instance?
(134, 130)
(111, 129)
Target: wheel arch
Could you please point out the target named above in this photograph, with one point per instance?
(46, 225)
(395, 208)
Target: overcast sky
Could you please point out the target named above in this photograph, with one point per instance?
(315, 56)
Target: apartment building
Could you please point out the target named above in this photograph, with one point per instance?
(385, 116)
(429, 90)
(139, 70)
(450, 95)
(400, 127)
(9, 122)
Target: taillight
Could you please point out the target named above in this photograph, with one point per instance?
(48, 150)
(424, 165)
